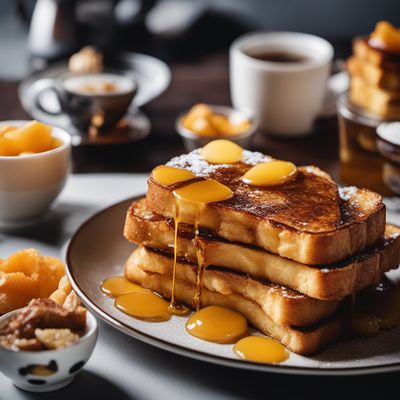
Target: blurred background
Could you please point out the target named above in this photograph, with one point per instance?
(170, 29)
(192, 37)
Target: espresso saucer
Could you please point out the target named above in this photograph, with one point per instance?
(151, 75)
(133, 127)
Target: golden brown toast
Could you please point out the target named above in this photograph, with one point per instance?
(375, 56)
(307, 219)
(374, 75)
(381, 102)
(305, 340)
(284, 306)
(326, 282)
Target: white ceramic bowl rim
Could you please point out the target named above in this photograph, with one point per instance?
(91, 328)
(58, 133)
(289, 41)
(224, 110)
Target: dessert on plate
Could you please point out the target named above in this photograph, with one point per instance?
(285, 246)
(300, 258)
(374, 70)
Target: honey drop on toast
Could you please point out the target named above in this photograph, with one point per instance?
(271, 173)
(222, 151)
(167, 176)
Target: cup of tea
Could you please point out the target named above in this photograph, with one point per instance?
(94, 99)
(281, 78)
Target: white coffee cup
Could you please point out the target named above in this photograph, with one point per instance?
(286, 97)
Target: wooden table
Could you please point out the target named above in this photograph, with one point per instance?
(203, 81)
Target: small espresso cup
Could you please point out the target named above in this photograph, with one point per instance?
(98, 99)
(281, 78)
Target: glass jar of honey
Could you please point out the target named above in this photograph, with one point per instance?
(361, 164)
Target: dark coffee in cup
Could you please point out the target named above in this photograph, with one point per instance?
(279, 56)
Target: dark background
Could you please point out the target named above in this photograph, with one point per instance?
(337, 20)
(193, 37)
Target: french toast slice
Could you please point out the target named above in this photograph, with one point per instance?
(284, 306)
(381, 102)
(375, 56)
(373, 74)
(325, 282)
(302, 340)
(307, 219)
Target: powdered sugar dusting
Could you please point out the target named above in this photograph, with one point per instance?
(347, 193)
(254, 157)
(200, 167)
(195, 163)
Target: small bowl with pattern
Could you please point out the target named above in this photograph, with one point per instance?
(47, 370)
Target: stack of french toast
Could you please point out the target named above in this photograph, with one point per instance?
(374, 70)
(303, 260)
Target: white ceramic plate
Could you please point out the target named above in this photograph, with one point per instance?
(98, 250)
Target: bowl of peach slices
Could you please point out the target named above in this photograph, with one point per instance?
(204, 123)
(34, 165)
(46, 336)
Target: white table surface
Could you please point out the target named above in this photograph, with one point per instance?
(123, 368)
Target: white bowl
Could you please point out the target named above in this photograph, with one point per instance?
(30, 183)
(65, 362)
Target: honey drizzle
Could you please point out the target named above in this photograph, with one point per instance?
(205, 323)
(197, 195)
(200, 261)
(176, 227)
(176, 309)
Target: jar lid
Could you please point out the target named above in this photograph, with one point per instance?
(389, 131)
(353, 113)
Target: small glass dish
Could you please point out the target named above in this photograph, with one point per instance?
(360, 162)
(193, 140)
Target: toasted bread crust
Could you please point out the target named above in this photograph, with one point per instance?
(284, 306)
(362, 229)
(378, 57)
(381, 102)
(304, 341)
(374, 75)
(332, 282)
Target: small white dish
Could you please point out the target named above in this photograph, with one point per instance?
(30, 183)
(63, 364)
(193, 140)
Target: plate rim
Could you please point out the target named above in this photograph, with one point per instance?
(196, 354)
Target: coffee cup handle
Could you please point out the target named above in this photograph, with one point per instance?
(37, 90)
